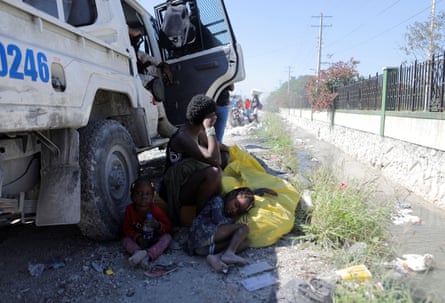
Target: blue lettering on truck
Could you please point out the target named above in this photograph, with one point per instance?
(34, 63)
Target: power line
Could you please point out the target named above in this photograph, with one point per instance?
(368, 39)
(362, 24)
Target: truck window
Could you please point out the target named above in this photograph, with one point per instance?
(213, 26)
(135, 22)
(47, 6)
(207, 21)
(74, 12)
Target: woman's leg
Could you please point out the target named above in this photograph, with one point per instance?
(222, 112)
(201, 186)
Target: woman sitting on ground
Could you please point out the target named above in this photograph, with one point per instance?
(193, 169)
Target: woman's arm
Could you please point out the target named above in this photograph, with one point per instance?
(209, 153)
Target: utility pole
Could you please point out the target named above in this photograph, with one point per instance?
(288, 87)
(320, 40)
(430, 54)
(432, 30)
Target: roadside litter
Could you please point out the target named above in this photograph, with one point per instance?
(252, 269)
(99, 268)
(403, 215)
(306, 200)
(160, 270)
(412, 263)
(262, 280)
(357, 272)
(352, 273)
(36, 270)
(259, 281)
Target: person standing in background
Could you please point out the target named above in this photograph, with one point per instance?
(222, 111)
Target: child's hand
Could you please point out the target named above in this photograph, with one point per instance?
(155, 223)
(261, 191)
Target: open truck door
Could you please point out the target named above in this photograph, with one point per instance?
(197, 42)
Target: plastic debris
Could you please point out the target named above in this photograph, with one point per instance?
(413, 262)
(36, 269)
(97, 267)
(357, 272)
(57, 265)
(379, 286)
(160, 270)
(108, 272)
(252, 269)
(404, 216)
(260, 281)
(306, 201)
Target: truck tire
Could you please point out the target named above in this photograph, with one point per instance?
(109, 165)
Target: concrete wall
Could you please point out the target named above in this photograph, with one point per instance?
(411, 152)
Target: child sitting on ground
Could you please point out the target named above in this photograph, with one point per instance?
(214, 232)
(144, 250)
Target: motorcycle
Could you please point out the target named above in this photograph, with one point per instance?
(236, 117)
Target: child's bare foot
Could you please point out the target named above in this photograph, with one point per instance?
(231, 258)
(216, 263)
(137, 257)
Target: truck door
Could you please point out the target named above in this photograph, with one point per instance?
(198, 43)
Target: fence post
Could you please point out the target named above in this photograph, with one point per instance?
(386, 71)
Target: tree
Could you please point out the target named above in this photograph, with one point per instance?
(420, 35)
(288, 95)
(320, 90)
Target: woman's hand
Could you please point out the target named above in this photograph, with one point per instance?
(209, 121)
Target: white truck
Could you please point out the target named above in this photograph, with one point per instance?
(74, 112)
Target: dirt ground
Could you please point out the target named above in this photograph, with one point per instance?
(75, 268)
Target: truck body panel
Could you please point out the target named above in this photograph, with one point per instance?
(74, 107)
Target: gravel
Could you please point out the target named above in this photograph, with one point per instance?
(76, 269)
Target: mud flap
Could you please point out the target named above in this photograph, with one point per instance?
(59, 196)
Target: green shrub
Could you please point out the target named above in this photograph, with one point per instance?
(344, 213)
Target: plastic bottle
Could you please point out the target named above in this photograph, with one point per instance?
(148, 230)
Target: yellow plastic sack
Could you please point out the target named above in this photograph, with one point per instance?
(272, 217)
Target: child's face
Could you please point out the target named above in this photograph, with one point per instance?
(143, 195)
(238, 205)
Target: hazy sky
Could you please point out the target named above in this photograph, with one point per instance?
(280, 37)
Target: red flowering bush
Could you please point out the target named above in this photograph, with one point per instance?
(320, 91)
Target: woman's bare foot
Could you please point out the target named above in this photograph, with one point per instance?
(217, 264)
(231, 258)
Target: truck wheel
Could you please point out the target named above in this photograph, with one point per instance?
(109, 165)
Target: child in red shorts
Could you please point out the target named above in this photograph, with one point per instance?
(144, 250)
